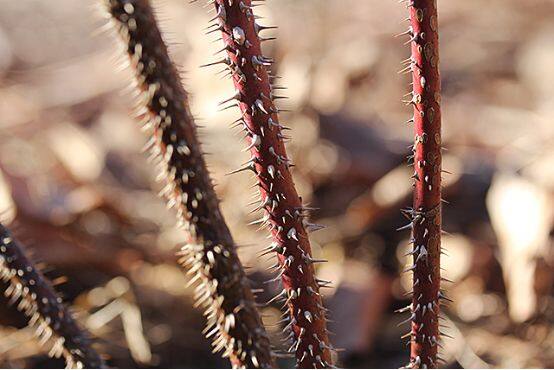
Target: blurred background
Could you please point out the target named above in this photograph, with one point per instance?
(78, 189)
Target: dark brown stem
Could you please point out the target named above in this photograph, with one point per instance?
(284, 213)
(33, 294)
(210, 253)
(426, 212)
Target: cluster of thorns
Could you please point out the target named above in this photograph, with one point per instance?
(209, 253)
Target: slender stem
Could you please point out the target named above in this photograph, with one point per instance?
(37, 299)
(284, 214)
(210, 253)
(426, 212)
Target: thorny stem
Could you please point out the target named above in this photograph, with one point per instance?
(284, 214)
(210, 253)
(39, 302)
(426, 212)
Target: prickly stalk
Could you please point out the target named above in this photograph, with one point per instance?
(426, 211)
(284, 214)
(35, 297)
(210, 253)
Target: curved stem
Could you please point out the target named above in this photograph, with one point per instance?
(210, 253)
(37, 299)
(284, 214)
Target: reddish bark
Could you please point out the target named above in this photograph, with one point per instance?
(283, 211)
(426, 212)
(210, 253)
